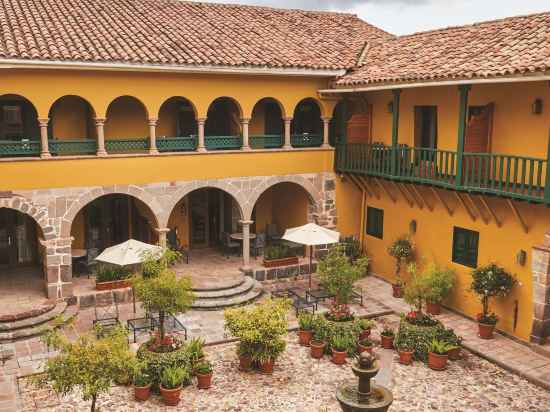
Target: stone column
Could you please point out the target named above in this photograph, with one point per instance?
(246, 243)
(288, 122)
(44, 148)
(153, 136)
(162, 232)
(201, 121)
(540, 331)
(244, 123)
(99, 124)
(326, 130)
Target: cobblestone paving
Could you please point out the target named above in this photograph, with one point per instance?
(301, 384)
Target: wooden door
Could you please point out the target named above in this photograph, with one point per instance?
(478, 139)
(8, 249)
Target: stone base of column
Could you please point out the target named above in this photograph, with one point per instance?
(153, 152)
(45, 155)
(326, 146)
(246, 148)
(101, 153)
(202, 149)
(287, 147)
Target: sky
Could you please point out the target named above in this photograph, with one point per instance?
(409, 16)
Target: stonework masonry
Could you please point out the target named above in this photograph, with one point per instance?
(540, 332)
(55, 209)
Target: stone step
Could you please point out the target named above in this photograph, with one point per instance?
(30, 322)
(213, 283)
(40, 324)
(242, 288)
(225, 302)
(38, 310)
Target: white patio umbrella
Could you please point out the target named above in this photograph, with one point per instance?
(131, 252)
(311, 235)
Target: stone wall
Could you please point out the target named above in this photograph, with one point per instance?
(540, 332)
(54, 210)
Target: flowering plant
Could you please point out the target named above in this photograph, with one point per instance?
(401, 250)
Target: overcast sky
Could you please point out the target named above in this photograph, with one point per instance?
(409, 16)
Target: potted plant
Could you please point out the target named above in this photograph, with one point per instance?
(172, 381)
(437, 355)
(142, 382)
(449, 336)
(268, 354)
(363, 328)
(490, 281)
(439, 282)
(415, 291)
(305, 321)
(244, 352)
(204, 373)
(321, 334)
(339, 346)
(279, 255)
(110, 277)
(195, 350)
(364, 345)
(387, 335)
(406, 353)
(402, 251)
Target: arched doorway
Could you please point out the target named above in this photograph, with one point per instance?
(338, 123)
(113, 219)
(177, 125)
(222, 129)
(307, 125)
(19, 129)
(266, 125)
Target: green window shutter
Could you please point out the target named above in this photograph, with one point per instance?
(465, 247)
(375, 222)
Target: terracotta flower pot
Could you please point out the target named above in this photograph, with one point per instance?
(204, 381)
(362, 348)
(405, 357)
(245, 363)
(486, 330)
(397, 291)
(317, 349)
(364, 334)
(267, 366)
(338, 358)
(387, 341)
(437, 362)
(304, 337)
(454, 354)
(170, 397)
(433, 308)
(142, 393)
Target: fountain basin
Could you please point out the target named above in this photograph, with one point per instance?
(379, 399)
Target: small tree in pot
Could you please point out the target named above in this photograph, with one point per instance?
(439, 282)
(438, 354)
(172, 382)
(490, 281)
(402, 251)
(306, 323)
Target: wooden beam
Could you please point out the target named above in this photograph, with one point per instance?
(518, 216)
(355, 183)
(385, 189)
(413, 197)
(476, 209)
(463, 203)
(358, 183)
(440, 198)
(423, 199)
(489, 209)
(366, 183)
(409, 201)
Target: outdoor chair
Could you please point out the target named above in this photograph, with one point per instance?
(272, 232)
(106, 312)
(229, 245)
(258, 245)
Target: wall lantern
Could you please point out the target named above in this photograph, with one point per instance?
(390, 107)
(521, 257)
(412, 227)
(536, 107)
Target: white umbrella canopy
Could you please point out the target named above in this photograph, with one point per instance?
(311, 235)
(131, 252)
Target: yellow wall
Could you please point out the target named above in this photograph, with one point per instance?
(71, 119)
(126, 118)
(515, 129)
(180, 221)
(433, 241)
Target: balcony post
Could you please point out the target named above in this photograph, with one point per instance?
(100, 130)
(244, 123)
(395, 130)
(326, 130)
(44, 148)
(344, 131)
(547, 182)
(201, 146)
(462, 116)
(288, 122)
(246, 243)
(153, 136)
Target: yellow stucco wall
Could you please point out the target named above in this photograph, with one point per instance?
(71, 119)
(180, 221)
(433, 241)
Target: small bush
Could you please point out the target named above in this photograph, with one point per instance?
(278, 252)
(156, 363)
(419, 338)
(112, 273)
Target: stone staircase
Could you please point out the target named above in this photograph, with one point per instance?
(35, 322)
(243, 291)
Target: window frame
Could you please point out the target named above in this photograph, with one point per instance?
(377, 228)
(469, 257)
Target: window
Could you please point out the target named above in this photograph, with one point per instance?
(375, 222)
(465, 246)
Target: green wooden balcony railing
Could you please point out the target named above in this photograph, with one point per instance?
(126, 145)
(306, 140)
(23, 147)
(72, 147)
(223, 142)
(177, 144)
(520, 177)
(267, 141)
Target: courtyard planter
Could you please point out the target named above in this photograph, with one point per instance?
(433, 308)
(454, 354)
(204, 380)
(267, 366)
(397, 290)
(245, 363)
(304, 337)
(272, 263)
(317, 349)
(115, 284)
(437, 362)
(170, 397)
(142, 393)
(486, 330)
(364, 345)
(338, 357)
(387, 341)
(405, 356)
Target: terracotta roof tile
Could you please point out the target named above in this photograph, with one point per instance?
(515, 45)
(163, 32)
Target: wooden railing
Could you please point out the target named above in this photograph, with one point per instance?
(16, 148)
(176, 144)
(519, 177)
(268, 141)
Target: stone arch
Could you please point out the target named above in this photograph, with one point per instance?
(270, 99)
(314, 195)
(38, 213)
(183, 191)
(89, 196)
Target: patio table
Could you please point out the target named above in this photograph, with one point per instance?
(171, 323)
(138, 324)
(318, 295)
(239, 236)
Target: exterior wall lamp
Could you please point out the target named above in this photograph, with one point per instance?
(536, 107)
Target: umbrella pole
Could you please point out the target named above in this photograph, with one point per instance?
(310, 265)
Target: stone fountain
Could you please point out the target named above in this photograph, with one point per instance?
(366, 396)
